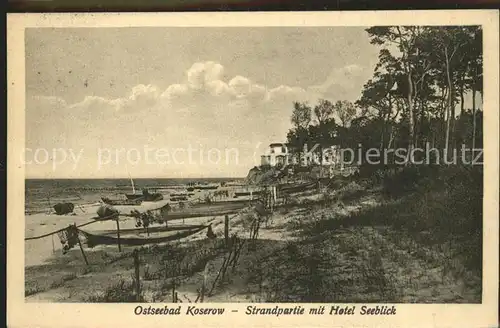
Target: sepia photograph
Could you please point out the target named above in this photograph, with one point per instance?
(256, 164)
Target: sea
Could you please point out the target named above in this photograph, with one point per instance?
(42, 194)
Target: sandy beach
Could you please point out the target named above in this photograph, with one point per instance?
(38, 251)
(337, 228)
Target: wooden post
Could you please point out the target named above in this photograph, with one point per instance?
(204, 284)
(80, 244)
(53, 247)
(226, 230)
(118, 234)
(137, 276)
(275, 196)
(271, 199)
(50, 206)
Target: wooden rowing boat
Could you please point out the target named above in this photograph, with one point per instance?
(136, 237)
(206, 210)
(297, 188)
(247, 193)
(146, 196)
(131, 202)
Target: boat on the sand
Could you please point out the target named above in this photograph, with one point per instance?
(145, 196)
(295, 188)
(202, 186)
(206, 210)
(247, 193)
(109, 201)
(141, 236)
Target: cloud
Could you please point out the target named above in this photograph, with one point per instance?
(175, 90)
(203, 94)
(340, 83)
(140, 97)
(145, 95)
(240, 86)
(202, 73)
(97, 104)
(218, 88)
(205, 88)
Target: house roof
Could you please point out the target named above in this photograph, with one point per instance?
(277, 144)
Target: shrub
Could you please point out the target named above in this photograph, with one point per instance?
(120, 292)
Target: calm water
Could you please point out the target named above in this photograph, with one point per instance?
(42, 194)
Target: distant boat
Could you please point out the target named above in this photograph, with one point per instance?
(145, 196)
(247, 193)
(207, 187)
(178, 194)
(178, 199)
(109, 201)
(202, 186)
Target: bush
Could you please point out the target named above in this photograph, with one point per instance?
(121, 292)
(398, 182)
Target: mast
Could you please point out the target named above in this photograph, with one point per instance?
(133, 187)
(132, 182)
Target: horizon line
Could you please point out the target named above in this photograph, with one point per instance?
(127, 178)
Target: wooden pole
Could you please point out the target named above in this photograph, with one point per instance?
(50, 206)
(80, 244)
(275, 196)
(226, 230)
(137, 276)
(203, 286)
(118, 234)
(53, 247)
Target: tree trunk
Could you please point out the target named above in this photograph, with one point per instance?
(462, 101)
(410, 109)
(473, 118)
(422, 123)
(448, 109)
(382, 135)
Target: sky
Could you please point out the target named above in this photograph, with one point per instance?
(177, 102)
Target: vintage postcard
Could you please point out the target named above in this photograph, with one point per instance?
(333, 169)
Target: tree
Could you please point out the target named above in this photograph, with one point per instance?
(346, 111)
(301, 115)
(417, 94)
(475, 72)
(423, 74)
(301, 119)
(324, 132)
(406, 39)
(323, 111)
(448, 44)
